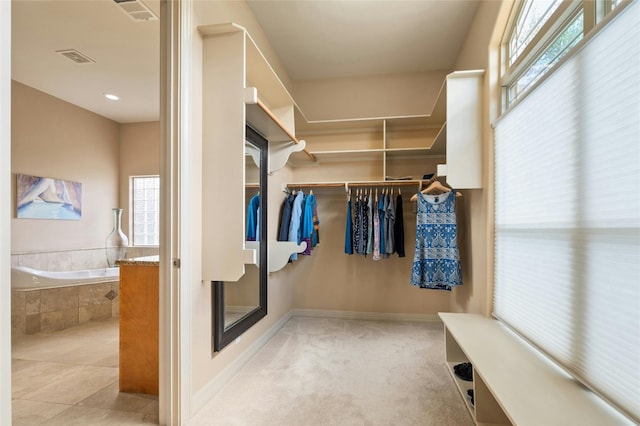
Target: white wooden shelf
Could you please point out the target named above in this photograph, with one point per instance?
(512, 382)
(464, 131)
(410, 153)
(349, 155)
(282, 141)
(281, 251)
(239, 88)
(451, 134)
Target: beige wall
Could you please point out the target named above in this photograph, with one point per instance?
(236, 11)
(369, 97)
(139, 156)
(475, 295)
(53, 138)
(329, 279)
(205, 365)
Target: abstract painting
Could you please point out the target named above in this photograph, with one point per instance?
(48, 198)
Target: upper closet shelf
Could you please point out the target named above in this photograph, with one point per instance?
(349, 155)
(282, 142)
(375, 154)
(269, 107)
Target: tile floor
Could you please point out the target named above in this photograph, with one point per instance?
(70, 377)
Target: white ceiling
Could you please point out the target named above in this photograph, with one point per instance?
(126, 55)
(314, 39)
(326, 39)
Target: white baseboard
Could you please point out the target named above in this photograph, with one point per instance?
(200, 399)
(365, 315)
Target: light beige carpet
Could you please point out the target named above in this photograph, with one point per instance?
(321, 371)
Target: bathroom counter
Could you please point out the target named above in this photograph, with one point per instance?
(139, 300)
(144, 260)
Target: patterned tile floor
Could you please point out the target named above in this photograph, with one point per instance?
(70, 377)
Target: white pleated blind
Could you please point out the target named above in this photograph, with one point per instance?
(567, 197)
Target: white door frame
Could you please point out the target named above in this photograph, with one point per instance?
(5, 212)
(174, 327)
(175, 299)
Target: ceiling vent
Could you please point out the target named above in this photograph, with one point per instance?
(75, 56)
(136, 10)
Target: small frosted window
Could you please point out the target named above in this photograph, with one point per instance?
(146, 210)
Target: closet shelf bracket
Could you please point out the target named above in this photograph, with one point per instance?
(281, 251)
(282, 142)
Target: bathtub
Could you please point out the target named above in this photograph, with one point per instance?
(24, 278)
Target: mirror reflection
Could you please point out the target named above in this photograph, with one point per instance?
(241, 297)
(240, 304)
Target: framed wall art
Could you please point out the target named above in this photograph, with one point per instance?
(48, 198)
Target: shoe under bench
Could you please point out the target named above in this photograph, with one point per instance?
(513, 383)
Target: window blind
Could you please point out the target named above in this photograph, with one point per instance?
(567, 214)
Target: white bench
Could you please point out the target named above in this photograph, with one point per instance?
(513, 383)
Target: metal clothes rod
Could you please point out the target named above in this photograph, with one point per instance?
(386, 183)
(347, 185)
(315, 185)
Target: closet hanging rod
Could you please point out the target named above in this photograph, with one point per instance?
(386, 183)
(284, 129)
(346, 185)
(315, 185)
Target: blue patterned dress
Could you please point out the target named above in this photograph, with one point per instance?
(436, 263)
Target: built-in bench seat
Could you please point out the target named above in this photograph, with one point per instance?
(513, 383)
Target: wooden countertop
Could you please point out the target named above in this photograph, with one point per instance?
(142, 261)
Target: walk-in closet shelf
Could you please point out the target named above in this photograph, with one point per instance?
(239, 88)
(375, 148)
(378, 148)
(512, 382)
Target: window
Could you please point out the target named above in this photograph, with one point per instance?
(549, 57)
(530, 19)
(145, 201)
(541, 33)
(567, 212)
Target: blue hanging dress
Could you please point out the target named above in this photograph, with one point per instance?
(436, 262)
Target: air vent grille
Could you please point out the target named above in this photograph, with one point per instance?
(136, 10)
(75, 56)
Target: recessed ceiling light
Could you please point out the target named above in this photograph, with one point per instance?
(111, 96)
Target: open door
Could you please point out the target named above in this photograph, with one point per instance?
(5, 212)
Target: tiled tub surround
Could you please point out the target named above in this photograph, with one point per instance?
(51, 309)
(73, 260)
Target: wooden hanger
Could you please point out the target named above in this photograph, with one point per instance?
(436, 188)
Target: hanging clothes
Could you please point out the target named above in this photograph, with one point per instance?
(364, 232)
(253, 218)
(398, 231)
(307, 222)
(436, 263)
(360, 225)
(376, 230)
(348, 232)
(390, 218)
(381, 209)
(357, 224)
(315, 235)
(369, 224)
(285, 218)
(296, 218)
